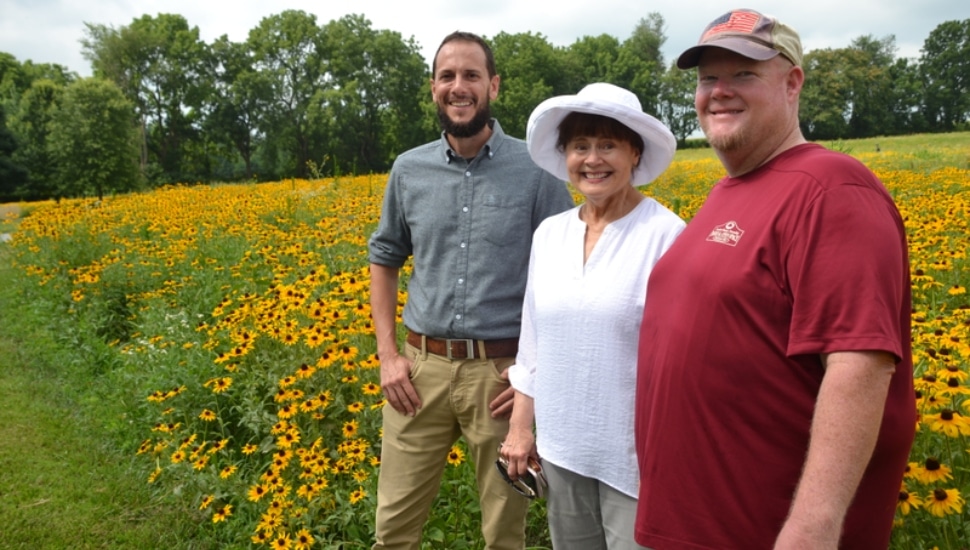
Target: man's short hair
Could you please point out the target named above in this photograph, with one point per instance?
(467, 37)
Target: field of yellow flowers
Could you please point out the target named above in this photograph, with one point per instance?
(233, 323)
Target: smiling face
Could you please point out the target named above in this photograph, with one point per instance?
(462, 88)
(600, 167)
(748, 109)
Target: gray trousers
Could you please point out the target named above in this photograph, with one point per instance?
(587, 514)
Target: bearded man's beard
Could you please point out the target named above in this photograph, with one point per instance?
(727, 142)
(465, 129)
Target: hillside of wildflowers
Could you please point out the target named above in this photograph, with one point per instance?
(231, 325)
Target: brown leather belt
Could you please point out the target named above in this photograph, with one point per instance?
(460, 348)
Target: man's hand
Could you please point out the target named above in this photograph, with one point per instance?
(396, 384)
(501, 406)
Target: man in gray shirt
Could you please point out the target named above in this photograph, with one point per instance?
(464, 207)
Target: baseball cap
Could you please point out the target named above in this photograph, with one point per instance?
(749, 33)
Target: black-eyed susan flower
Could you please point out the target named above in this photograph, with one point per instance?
(932, 471)
(942, 502)
(218, 446)
(206, 501)
(350, 428)
(948, 422)
(219, 385)
(287, 411)
(357, 495)
(249, 449)
(456, 456)
(355, 407)
(256, 492)
(304, 540)
(907, 501)
(269, 522)
(281, 542)
(371, 388)
(227, 471)
(200, 463)
(305, 371)
(288, 439)
(145, 446)
(280, 427)
(222, 513)
(207, 416)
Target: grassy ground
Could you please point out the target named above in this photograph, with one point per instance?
(8, 217)
(953, 149)
(61, 484)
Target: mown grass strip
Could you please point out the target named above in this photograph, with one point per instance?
(61, 483)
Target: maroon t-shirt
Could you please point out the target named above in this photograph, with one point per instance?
(804, 256)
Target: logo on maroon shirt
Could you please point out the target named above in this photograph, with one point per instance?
(727, 233)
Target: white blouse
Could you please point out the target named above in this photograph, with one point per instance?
(578, 346)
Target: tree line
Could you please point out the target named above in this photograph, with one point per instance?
(302, 99)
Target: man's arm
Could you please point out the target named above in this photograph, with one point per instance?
(848, 415)
(395, 368)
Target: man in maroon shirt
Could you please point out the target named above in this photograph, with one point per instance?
(775, 404)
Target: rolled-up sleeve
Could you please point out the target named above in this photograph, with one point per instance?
(390, 244)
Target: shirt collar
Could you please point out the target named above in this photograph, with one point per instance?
(489, 150)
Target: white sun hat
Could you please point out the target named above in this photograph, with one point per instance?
(599, 98)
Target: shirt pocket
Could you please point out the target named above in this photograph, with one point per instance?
(505, 219)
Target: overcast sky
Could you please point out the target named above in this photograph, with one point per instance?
(48, 31)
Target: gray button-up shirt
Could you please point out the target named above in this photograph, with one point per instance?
(468, 225)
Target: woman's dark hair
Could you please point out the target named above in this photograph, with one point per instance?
(590, 125)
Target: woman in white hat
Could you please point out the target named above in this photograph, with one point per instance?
(575, 371)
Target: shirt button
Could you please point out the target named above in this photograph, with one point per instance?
(461, 281)
(463, 245)
(464, 209)
(458, 316)
(468, 174)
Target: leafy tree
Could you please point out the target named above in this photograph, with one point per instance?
(16, 78)
(241, 95)
(825, 105)
(372, 101)
(872, 95)
(945, 70)
(31, 126)
(159, 63)
(641, 61)
(592, 59)
(531, 70)
(12, 174)
(676, 102)
(288, 52)
(906, 97)
(92, 140)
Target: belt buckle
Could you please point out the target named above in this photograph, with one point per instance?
(469, 348)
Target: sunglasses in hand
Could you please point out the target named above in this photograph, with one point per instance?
(531, 484)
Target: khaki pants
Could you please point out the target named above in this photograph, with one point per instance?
(455, 397)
